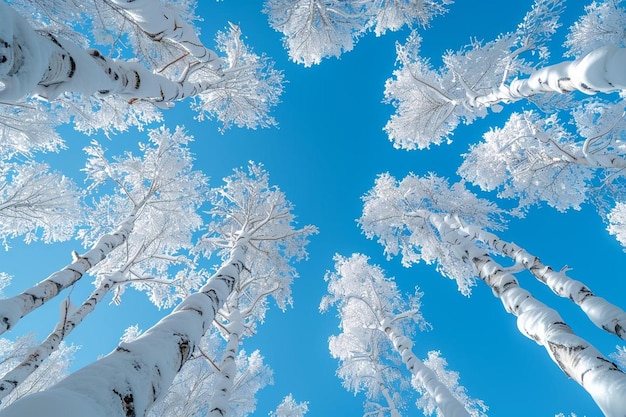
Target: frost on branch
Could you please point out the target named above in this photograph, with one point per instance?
(290, 408)
(108, 93)
(22, 130)
(194, 385)
(431, 102)
(162, 189)
(37, 203)
(316, 29)
(534, 158)
(602, 24)
(377, 323)
(244, 91)
(247, 201)
(617, 223)
(51, 371)
(398, 214)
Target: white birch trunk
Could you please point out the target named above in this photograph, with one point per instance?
(579, 360)
(447, 403)
(14, 308)
(136, 374)
(393, 411)
(35, 358)
(601, 70)
(218, 404)
(602, 313)
(37, 64)
(159, 23)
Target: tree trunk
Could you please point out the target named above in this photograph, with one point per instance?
(580, 361)
(17, 375)
(601, 70)
(603, 314)
(218, 404)
(14, 308)
(37, 64)
(441, 395)
(130, 379)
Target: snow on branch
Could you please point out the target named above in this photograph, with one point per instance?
(316, 29)
(239, 88)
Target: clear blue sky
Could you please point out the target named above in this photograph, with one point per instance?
(325, 155)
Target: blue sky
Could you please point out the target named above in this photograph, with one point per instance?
(325, 155)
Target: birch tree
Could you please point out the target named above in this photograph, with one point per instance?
(422, 218)
(375, 320)
(37, 203)
(535, 159)
(234, 85)
(194, 385)
(161, 192)
(52, 371)
(430, 103)
(136, 374)
(290, 408)
(316, 29)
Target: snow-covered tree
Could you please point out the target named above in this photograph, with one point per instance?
(196, 382)
(47, 53)
(316, 29)
(423, 219)
(430, 102)
(52, 371)
(617, 222)
(534, 159)
(290, 408)
(161, 192)
(377, 323)
(37, 203)
(138, 373)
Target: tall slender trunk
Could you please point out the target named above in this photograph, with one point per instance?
(35, 358)
(602, 313)
(218, 404)
(601, 70)
(14, 308)
(130, 379)
(580, 361)
(441, 395)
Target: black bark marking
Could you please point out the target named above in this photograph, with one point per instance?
(128, 404)
(137, 80)
(184, 347)
(122, 349)
(72, 68)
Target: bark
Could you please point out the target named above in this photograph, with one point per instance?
(580, 361)
(35, 358)
(441, 395)
(601, 70)
(218, 405)
(602, 313)
(136, 374)
(40, 64)
(14, 308)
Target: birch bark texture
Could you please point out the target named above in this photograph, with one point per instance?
(420, 217)
(234, 86)
(431, 102)
(377, 322)
(129, 380)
